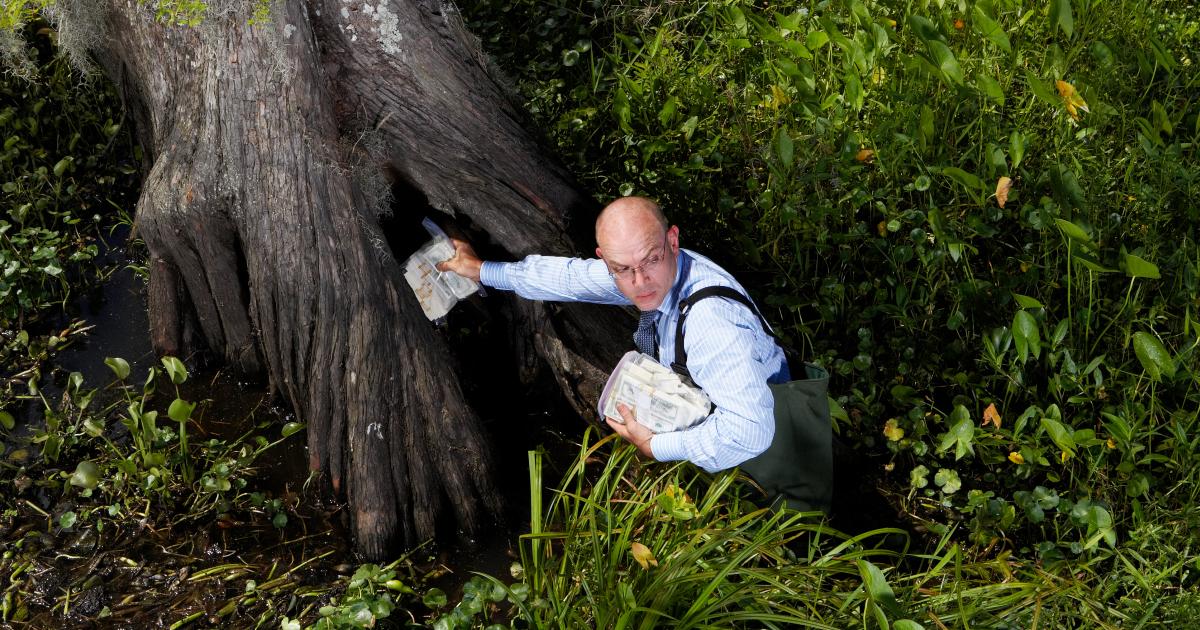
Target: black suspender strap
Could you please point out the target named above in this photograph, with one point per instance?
(685, 304)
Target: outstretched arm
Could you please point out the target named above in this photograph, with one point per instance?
(549, 278)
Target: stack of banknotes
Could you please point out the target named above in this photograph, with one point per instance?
(437, 291)
(659, 398)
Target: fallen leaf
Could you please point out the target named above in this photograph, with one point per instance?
(865, 155)
(1003, 185)
(991, 415)
(1071, 99)
(959, 24)
(882, 227)
(643, 555)
(1016, 458)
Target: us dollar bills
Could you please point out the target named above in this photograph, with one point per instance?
(659, 398)
(437, 291)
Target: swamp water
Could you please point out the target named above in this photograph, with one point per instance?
(69, 562)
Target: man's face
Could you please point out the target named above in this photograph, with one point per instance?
(642, 261)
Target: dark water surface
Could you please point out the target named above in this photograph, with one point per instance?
(145, 575)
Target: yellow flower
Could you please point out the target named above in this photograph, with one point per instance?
(1016, 458)
(1065, 456)
(1111, 443)
(1071, 99)
(892, 430)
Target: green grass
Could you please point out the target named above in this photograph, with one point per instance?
(1024, 378)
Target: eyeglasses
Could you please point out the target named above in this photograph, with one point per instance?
(655, 259)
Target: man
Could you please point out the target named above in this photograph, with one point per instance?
(729, 354)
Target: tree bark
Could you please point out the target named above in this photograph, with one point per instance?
(266, 251)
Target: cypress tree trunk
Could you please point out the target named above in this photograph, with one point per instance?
(266, 247)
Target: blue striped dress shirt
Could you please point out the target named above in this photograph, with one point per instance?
(729, 355)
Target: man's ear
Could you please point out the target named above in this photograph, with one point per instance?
(599, 254)
(672, 238)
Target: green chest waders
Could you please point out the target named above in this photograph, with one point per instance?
(796, 471)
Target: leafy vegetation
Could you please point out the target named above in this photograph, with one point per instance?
(67, 169)
(981, 216)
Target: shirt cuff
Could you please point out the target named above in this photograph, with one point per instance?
(668, 447)
(495, 275)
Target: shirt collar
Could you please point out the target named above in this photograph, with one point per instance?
(670, 302)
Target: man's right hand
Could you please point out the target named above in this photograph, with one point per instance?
(464, 263)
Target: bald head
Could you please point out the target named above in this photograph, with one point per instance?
(640, 249)
(628, 216)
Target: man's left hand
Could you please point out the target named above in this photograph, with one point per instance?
(633, 431)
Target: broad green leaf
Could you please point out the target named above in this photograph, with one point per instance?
(1139, 484)
(924, 28)
(918, 477)
(1062, 437)
(737, 19)
(1026, 335)
(689, 127)
(948, 480)
(1060, 333)
(67, 520)
(621, 110)
(175, 370)
(180, 410)
(990, 88)
(1017, 143)
(961, 434)
(1091, 262)
(907, 624)
(291, 428)
(668, 111)
(853, 92)
(816, 39)
(991, 30)
(797, 49)
(1139, 267)
(1041, 90)
(1027, 302)
(945, 61)
(784, 147)
(7, 421)
(119, 366)
(62, 166)
(1102, 54)
(1066, 183)
(836, 410)
(86, 475)
(926, 127)
(1075, 233)
(1061, 16)
(1154, 357)
(434, 598)
(878, 590)
(973, 184)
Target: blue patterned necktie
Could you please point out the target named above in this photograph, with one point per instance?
(646, 337)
